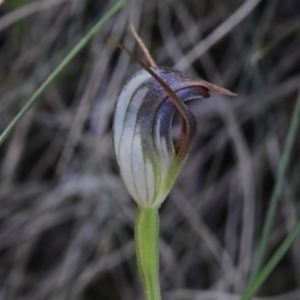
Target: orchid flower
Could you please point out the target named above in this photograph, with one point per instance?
(148, 159)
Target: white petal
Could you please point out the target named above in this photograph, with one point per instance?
(129, 146)
(123, 101)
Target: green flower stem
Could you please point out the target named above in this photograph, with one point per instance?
(146, 239)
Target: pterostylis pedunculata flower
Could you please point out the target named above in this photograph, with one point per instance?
(148, 159)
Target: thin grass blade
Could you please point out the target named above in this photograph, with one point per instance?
(284, 162)
(81, 44)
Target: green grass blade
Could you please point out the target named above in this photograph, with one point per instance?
(276, 191)
(81, 44)
(261, 277)
(265, 50)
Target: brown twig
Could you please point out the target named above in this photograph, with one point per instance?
(143, 46)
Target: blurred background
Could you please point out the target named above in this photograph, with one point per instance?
(66, 220)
